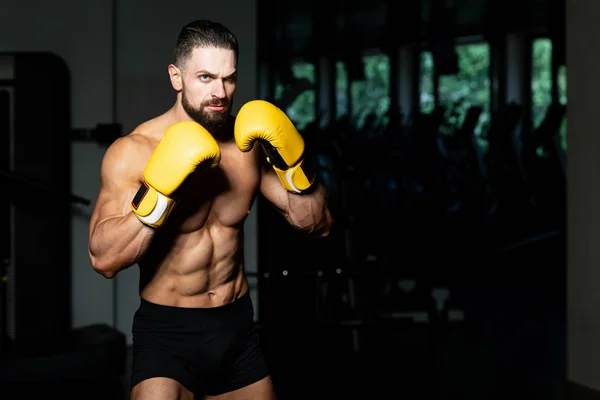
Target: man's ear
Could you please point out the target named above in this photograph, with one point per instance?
(176, 77)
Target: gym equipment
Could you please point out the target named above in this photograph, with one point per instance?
(103, 133)
(449, 195)
(36, 222)
(91, 365)
(40, 353)
(501, 163)
(22, 189)
(542, 162)
(464, 178)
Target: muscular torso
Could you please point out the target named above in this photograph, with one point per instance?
(196, 258)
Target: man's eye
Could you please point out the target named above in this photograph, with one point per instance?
(204, 77)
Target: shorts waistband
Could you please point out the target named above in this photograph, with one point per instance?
(174, 313)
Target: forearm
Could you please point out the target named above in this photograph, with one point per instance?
(118, 243)
(309, 212)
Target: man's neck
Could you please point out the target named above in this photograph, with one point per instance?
(177, 113)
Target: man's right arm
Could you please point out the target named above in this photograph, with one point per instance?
(136, 191)
(117, 238)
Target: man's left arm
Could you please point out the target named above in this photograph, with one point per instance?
(307, 211)
(288, 178)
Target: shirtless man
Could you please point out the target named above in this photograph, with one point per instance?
(174, 196)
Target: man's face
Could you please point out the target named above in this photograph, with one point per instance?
(208, 84)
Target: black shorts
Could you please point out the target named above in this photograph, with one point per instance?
(209, 351)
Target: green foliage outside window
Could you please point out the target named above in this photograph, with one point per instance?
(372, 96)
(469, 87)
(562, 97)
(302, 110)
(341, 90)
(426, 83)
(541, 85)
(541, 79)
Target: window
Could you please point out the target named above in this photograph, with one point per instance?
(341, 89)
(426, 83)
(369, 96)
(302, 109)
(469, 87)
(541, 79)
(541, 85)
(562, 98)
(562, 84)
(457, 93)
(372, 96)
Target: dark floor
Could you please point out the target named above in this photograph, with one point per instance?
(411, 362)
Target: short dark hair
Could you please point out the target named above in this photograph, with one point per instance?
(203, 33)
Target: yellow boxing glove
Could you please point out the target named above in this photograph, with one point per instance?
(183, 147)
(265, 122)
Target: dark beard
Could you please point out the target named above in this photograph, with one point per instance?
(216, 122)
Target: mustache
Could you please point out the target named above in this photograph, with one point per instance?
(216, 103)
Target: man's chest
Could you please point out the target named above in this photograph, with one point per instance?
(226, 191)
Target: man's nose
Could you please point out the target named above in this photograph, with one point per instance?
(218, 89)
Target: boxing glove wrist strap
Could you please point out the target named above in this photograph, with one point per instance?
(151, 207)
(297, 179)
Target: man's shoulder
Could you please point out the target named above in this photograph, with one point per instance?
(153, 128)
(130, 146)
(135, 139)
(149, 129)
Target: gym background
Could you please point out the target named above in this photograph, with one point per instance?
(441, 131)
